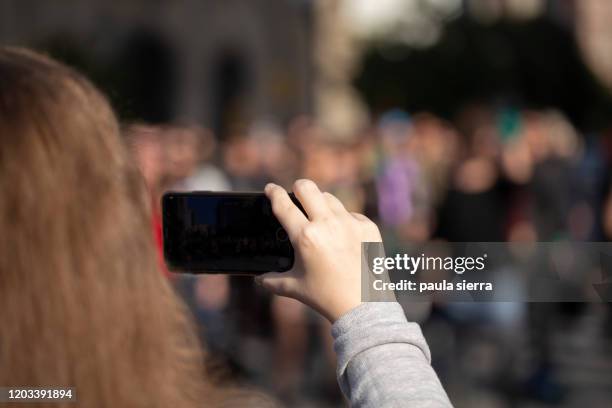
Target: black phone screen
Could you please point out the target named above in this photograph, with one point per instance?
(223, 233)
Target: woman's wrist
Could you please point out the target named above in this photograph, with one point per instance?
(336, 311)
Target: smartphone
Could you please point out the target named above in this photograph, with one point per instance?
(215, 232)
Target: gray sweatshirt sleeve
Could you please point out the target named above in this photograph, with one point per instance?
(383, 360)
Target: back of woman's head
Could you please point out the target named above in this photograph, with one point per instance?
(82, 303)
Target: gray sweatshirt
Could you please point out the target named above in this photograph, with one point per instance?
(383, 360)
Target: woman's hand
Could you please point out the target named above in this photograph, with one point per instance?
(327, 272)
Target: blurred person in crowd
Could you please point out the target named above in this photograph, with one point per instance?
(191, 153)
(279, 163)
(293, 323)
(335, 167)
(338, 167)
(476, 208)
(434, 145)
(367, 152)
(342, 167)
(303, 132)
(184, 147)
(553, 146)
(316, 150)
(476, 186)
(146, 144)
(242, 161)
(395, 182)
(89, 310)
(403, 196)
(291, 320)
(319, 163)
(348, 184)
(517, 166)
(295, 328)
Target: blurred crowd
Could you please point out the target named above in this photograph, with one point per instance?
(487, 175)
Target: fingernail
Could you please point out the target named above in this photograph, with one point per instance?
(259, 280)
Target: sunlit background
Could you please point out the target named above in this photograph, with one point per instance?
(464, 120)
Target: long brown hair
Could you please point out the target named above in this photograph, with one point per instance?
(82, 302)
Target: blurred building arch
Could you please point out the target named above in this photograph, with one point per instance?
(231, 80)
(144, 77)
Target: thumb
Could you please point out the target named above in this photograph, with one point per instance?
(283, 284)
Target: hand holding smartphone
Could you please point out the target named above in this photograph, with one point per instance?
(253, 233)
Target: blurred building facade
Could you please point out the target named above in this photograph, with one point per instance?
(218, 62)
(225, 63)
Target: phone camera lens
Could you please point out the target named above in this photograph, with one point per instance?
(281, 235)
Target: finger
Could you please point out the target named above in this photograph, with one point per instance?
(369, 227)
(334, 203)
(360, 217)
(283, 284)
(287, 213)
(311, 199)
